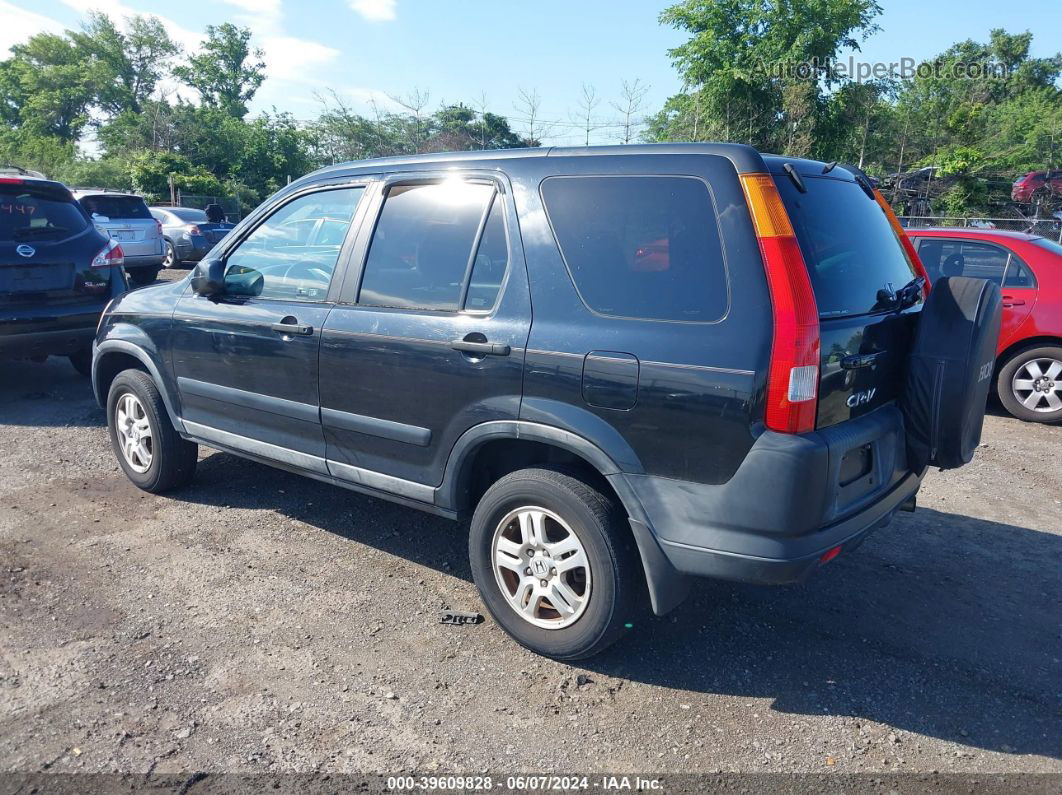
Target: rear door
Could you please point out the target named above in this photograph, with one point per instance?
(856, 264)
(985, 259)
(429, 337)
(246, 362)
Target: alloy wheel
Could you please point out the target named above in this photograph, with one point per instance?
(1037, 385)
(541, 567)
(134, 432)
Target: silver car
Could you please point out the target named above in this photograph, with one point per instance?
(125, 217)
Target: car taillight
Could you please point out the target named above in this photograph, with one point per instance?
(905, 241)
(110, 256)
(12, 181)
(158, 227)
(194, 230)
(793, 377)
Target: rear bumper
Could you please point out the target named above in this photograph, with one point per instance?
(144, 261)
(192, 248)
(70, 337)
(787, 504)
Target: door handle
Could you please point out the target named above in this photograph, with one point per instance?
(292, 326)
(481, 348)
(1009, 300)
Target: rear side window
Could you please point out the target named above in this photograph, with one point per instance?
(849, 247)
(640, 247)
(28, 214)
(949, 257)
(116, 206)
(421, 249)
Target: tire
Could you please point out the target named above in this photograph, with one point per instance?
(1038, 371)
(82, 361)
(950, 373)
(612, 592)
(169, 461)
(143, 276)
(170, 258)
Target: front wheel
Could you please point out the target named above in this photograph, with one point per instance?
(1029, 385)
(150, 451)
(554, 563)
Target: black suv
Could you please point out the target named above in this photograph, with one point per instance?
(57, 273)
(627, 365)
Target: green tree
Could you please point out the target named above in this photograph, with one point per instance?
(756, 70)
(127, 66)
(227, 72)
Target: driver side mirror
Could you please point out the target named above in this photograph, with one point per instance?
(208, 278)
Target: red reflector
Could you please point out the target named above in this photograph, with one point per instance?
(830, 554)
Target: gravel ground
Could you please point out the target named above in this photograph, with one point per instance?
(258, 621)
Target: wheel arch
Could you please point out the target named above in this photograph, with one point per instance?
(491, 450)
(1018, 346)
(112, 357)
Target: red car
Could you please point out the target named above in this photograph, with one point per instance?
(1028, 269)
(1043, 183)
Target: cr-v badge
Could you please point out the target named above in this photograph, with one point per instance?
(26, 251)
(860, 398)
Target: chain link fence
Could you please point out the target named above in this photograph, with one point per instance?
(1050, 227)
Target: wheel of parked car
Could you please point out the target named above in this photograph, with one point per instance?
(82, 361)
(143, 276)
(149, 449)
(554, 563)
(170, 260)
(950, 372)
(1029, 384)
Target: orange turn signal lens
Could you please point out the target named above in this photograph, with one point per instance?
(768, 212)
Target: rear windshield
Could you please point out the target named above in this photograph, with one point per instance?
(116, 206)
(188, 213)
(848, 244)
(1049, 245)
(26, 213)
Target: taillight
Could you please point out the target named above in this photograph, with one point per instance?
(793, 377)
(110, 256)
(158, 227)
(194, 230)
(905, 241)
(12, 181)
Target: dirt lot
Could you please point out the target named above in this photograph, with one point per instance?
(258, 621)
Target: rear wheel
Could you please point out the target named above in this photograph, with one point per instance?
(1029, 385)
(170, 260)
(148, 447)
(554, 563)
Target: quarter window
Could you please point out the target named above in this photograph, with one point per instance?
(640, 247)
(420, 256)
(292, 255)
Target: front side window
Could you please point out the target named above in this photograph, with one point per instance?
(292, 255)
(640, 247)
(422, 247)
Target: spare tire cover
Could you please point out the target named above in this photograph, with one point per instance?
(951, 371)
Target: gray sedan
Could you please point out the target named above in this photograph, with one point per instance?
(188, 233)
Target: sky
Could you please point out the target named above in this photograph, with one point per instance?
(462, 50)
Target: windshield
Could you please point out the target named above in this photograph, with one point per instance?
(27, 213)
(850, 249)
(116, 206)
